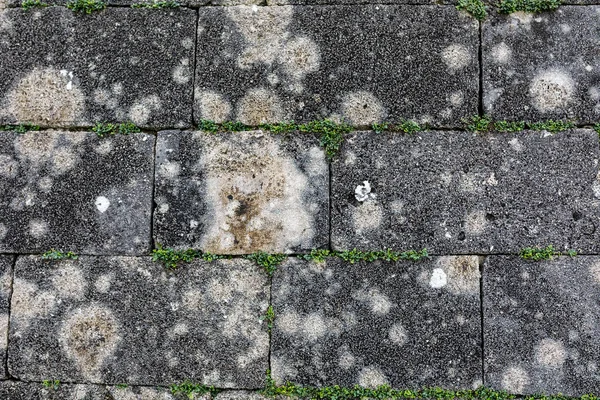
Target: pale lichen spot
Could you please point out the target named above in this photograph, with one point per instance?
(456, 56)
(192, 300)
(3, 231)
(461, 273)
(103, 283)
(63, 160)
(501, 53)
(550, 353)
(398, 334)
(314, 327)
(289, 322)
(212, 106)
(9, 167)
(187, 43)
(378, 302)
(169, 169)
(29, 302)
(89, 336)
(457, 98)
(182, 73)
(367, 216)
(362, 108)
(102, 204)
(475, 222)
(346, 360)
(140, 111)
(438, 278)
(46, 97)
(282, 370)
(260, 106)
(38, 228)
(104, 147)
(372, 377)
(516, 145)
(515, 380)
(551, 90)
(3, 331)
(299, 57)
(594, 270)
(69, 282)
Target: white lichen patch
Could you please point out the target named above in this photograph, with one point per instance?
(362, 108)
(282, 370)
(462, 273)
(102, 204)
(363, 192)
(501, 53)
(3, 231)
(9, 167)
(212, 106)
(550, 353)
(456, 98)
(3, 331)
(255, 196)
(53, 149)
(594, 270)
(551, 90)
(29, 302)
(68, 281)
(182, 73)
(103, 282)
(372, 377)
(169, 169)
(367, 216)
(38, 228)
(141, 110)
(299, 57)
(438, 278)
(378, 302)
(398, 334)
(456, 56)
(516, 145)
(46, 97)
(475, 222)
(311, 327)
(346, 360)
(260, 106)
(89, 336)
(515, 380)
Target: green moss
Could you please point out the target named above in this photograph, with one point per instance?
(281, 127)
(268, 262)
(530, 6)
(231, 126)
(476, 8)
(171, 258)
(269, 318)
(597, 129)
(551, 126)
(208, 126)
(127, 128)
(539, 254)
(192, 389)
(29, 4)
(332, 134)
(157, 4)
(59, 255)
(505, 126)
(103, 129)
(53, 384)
(477, 123)
(86, 6)
(22, 128)
(317, 255)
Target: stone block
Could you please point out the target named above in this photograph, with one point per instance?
(543, 66)
(75, 191)
(409, 325)
(15, 390)
(126, 320)
(238, 193)
(73, 69)
(359, 64)
(465, 193)
(6, 264)
(541, 325)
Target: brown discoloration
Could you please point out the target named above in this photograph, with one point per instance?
(260, 106)
(463, 273)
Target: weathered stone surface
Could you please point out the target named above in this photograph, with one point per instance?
(73, 69)
(10, 390)
(127, 320)
(238, 193)
(457, 192)
(240, 395)
(6, 263)
(543, 66)
(541, 324)
(404, 324)
(75, 191)
(361, 64)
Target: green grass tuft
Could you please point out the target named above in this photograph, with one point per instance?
(551, 126)
(86, 6)
(103, 129)
(21, 128)
(269, 318)
(59, 255)
(477, 123)
(192, 389)
(208, 126)
(317, 255)
(539, 254)
(506, 126)
(268, 262)
(529, 6)
(29, 4)
(332, 134)
(53, 384)
(476, 8)
(597, 128)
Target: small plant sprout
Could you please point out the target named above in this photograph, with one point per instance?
(528, 6)
(268, 262)
(86, 6)
(477, 123)
(53, 384)
(539, 254)
(476, 8)
(53, 255)
(29, 4)
(193, 389)
(269, 318)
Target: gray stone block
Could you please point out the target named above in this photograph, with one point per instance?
(541, 325)
(73, 69)
(238, 193)
(11, 390)
(127, 320)
(459, 192)
(543, 66)
(6, 264)
(405, 324)
(240, 395)
(361, 64)
(75, 191)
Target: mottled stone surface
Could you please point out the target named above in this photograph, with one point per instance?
(541, 325)
(238, 193)
(73, 69)
(127, 320)
(10, 390)
(458, 192)
(6, 263)
(362, 64)
(240, 395)
(75, 191)
(404, 324)
(543, 66)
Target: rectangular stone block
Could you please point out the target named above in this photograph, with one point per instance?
(541, 325)
(6, 264)
(359, 64)
(73, 69)
(126, 320)
(543, 66)
(75, 191)
(409, 325)
(238, 193)
(460, 192)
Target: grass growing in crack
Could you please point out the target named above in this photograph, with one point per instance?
(477, 123)
(476, 8)
(171, 258)
(268, 262)
(317, 255)
(103, 129)
(597, 129)
(355, 255)
(29, 4)
(234, 126)
(506, 126)
(52, 255)
(122, 386)
(157, 5)
(21, 128)
(86, 6)
(405, 126)
(539, 254)
(332, 134)
(551, 126)
(530, 6)
(53, 384)
(269, 318)
(191, 389)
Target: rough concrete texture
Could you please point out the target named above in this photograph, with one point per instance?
(459, 192)
(238, 193)
(6, 263)
(75, 191)
(72, 69)
(359, 64)
(127, 320)
(543, 66)
(405, 324)
(541, 325)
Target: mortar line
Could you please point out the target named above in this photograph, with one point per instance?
(12, 282)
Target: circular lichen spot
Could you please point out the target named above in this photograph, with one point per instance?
(362, 108)
(260, 106)
(300, 56)
(550, 353)
(515, 379)
(372, 377)
(89, 336)
(397, 334)
(46, 97)
(456, 56)
(212, 106)
(551, 90)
